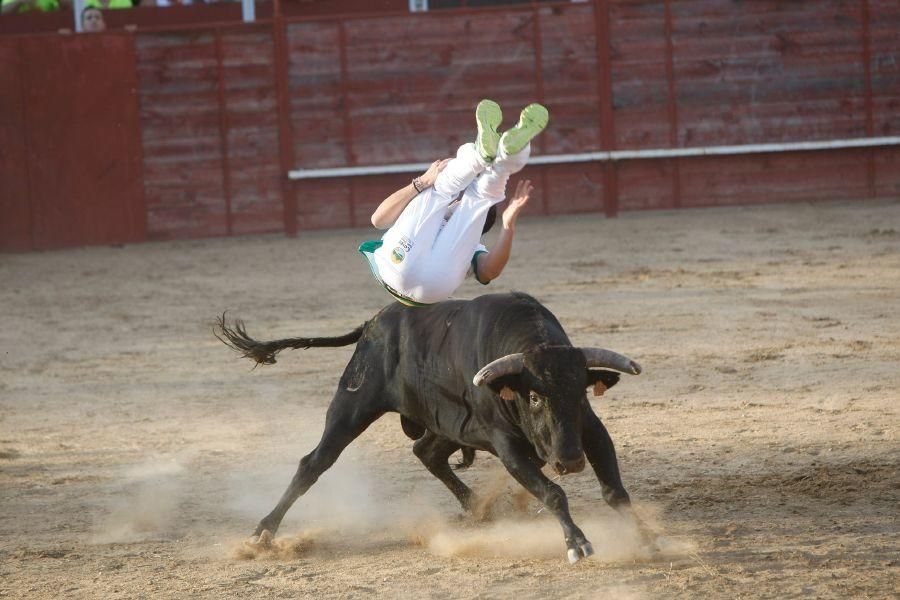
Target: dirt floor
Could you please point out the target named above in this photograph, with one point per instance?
(137, 453)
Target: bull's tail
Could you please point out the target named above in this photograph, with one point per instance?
(264, 353)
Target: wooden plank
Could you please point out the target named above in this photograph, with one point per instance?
(887, 169)
(248, 74)
(646, 185)
(15, 211)
(180, 120)
(84, 174)
(323, 204)
(791, 177)
(885, 65)
(570, 188)
(639, 82)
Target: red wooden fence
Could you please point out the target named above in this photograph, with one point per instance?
(210, 132)
(188, 131)
(69, 173)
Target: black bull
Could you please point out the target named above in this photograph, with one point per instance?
(496, 373)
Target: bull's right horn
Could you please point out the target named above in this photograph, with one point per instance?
(599, 357)
(506, 365)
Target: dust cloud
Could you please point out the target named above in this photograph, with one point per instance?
(349, 503)
(147, 504)
(614, 540)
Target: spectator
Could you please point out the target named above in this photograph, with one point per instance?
(21, 6)
(92, 20)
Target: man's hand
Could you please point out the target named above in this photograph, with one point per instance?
(430, 176)
(517, 203)
(492, 263)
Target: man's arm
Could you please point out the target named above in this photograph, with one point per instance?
(491, 264)
(390, 208)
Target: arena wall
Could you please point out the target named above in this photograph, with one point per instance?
(188, 130)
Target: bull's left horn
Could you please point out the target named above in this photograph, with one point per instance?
(599, 357)
(506, 365)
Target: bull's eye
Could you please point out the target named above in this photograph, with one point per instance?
(534, 400)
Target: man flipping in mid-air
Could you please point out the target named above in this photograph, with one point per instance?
(433, 241)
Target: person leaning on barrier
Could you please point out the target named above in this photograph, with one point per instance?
(92, 20)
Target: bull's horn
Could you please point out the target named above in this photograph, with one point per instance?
(599, 357)
(506, 365)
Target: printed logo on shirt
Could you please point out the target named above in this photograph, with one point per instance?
(404, 245)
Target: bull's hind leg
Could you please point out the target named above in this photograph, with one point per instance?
(349, 415)
(434, 452)
(600, 452)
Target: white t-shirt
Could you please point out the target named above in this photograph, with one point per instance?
(480, 249)
(386, 272)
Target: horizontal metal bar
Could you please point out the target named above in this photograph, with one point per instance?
(618, 155)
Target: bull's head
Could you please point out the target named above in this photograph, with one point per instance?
(548, 386)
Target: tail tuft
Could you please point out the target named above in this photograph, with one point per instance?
(236, 338)
(263, 353)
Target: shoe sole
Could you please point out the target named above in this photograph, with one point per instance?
(488, 116)
(532, 121)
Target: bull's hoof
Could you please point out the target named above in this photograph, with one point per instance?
(263, 540)
(582, 551)
(587, 549)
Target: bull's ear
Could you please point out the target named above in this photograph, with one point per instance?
(506, 386)
(601, 380)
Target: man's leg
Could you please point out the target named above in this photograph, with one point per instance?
(513, 152)
(460, 236)
(459, 173)
(423, 216)
(472, 159)
(454, 246)
(492, 183)
(412, 237)
(532, 121)
(405, 260)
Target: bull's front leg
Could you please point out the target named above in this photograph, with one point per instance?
(517, 458)
(601, 453)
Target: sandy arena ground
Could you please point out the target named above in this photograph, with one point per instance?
(137, 452)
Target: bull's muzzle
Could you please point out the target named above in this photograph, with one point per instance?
(564, 467)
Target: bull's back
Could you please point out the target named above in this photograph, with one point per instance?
(487, 324)
(436, 350)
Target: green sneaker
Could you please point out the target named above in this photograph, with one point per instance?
(532, 121)
(488, 117)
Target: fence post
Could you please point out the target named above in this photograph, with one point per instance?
(673, 106)
(349, 153)
(23, 95)
(285, 129)
(867, 84)
(223, 132)
(607, 128)
(539, 92)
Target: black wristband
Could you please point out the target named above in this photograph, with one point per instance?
(416, 182)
